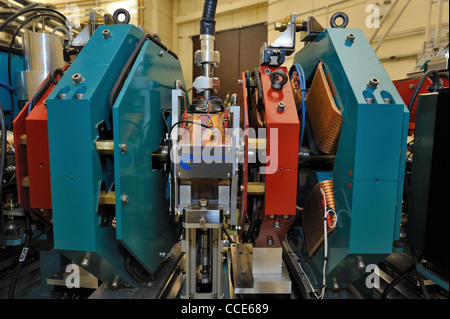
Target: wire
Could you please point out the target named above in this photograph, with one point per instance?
(23, 255)
(14, 16)
(325, 243)
(436, 80)
(302, 106)
(215, 97)
(8, 88)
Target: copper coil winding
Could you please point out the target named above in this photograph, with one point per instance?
(325, 117)
(313, 213)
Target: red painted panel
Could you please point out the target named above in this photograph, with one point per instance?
(283, 129)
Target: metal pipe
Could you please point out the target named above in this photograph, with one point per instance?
(428, 27)
(391, 7)
(437, 29)
(63, 30)
(394, 21)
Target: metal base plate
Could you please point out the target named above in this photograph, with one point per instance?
(245, 281)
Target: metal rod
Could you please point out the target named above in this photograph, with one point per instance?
(394, 21)
(391, 7)
(428, 27)
(437, 29)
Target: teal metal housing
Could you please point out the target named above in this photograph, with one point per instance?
(370, 161)
(5, 98)
(75, 112)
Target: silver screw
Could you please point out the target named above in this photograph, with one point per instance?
(125, 199)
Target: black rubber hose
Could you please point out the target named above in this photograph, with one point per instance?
(23, 256)
(258, 81)
(397, 280)
(208, 23)
(18, 14)
(436, 83)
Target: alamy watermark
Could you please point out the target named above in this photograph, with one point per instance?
(373, 19)
(373, 278)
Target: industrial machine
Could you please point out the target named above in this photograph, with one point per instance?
(292, 190)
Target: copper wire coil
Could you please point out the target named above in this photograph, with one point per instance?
(325, 117)
(312, 215)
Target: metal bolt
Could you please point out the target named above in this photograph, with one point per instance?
(240, 82)
(115, 284)
(270, 241)
(203, 202)
(123, 148)
(106, 34)
(369, 100)
(350, 38)
(202, 222)
(125, 199)
(161, 54)
(77, 78)
(85, 262)
(373, 83)
(281, 106)
(162, 254)
(360, 263)
(276, 225)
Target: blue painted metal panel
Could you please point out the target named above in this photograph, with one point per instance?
(369, 166)
(16, 66)
(143, 224)
(76, 172)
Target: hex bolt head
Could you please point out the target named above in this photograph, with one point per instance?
(350, 38)
(373, 83)
(281, 106)
(77, 78)
(106, 34)
(125, 199)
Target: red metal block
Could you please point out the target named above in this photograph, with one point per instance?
(32, 159)
(283, 129)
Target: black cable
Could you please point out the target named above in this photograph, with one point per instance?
(14, 16)
(44, 87)
(436, 82)
(419, 276)
(207, 22)
(397, 280)
(23, 256)
(228, 235)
